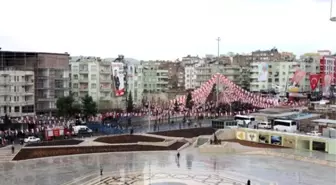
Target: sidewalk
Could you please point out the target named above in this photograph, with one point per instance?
(6, 153)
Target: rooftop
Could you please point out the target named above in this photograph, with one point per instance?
(330, 121)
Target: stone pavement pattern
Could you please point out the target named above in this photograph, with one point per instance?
(71, 169)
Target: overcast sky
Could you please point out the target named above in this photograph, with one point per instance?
(165, 29)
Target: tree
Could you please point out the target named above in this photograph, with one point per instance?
(212, 94)
(89, 107)
(130, 103)
(176, 107)
(189, 103)
(66, 106)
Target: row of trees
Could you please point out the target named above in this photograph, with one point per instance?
(67, 106)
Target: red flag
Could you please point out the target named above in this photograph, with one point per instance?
(314, 80)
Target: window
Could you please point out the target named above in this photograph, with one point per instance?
(75, 77)
(93, 77)
(16, 109)
(75, 86)
(93, 86)
(94, 68)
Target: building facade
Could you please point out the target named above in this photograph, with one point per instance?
(311, 65)
(51, 75)
(277, 76)
(17, 93)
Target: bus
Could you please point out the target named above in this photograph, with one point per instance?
(244, 120)
(224, 123)
(285, 125)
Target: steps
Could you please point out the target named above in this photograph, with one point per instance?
(6, 153)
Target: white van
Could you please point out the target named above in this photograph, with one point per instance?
(81, 127)
(264, 125)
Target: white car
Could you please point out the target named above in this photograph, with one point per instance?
(31, 139)
(314, 133)
(264, 125)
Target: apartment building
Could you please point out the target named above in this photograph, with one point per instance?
(266, 55)
(190, 76)
(17, 93)
(175, 74)
(243, 60)
(232, 72)
(277, 75)
(51, 75)
(90, 76)
(154, 78)
(310, 63)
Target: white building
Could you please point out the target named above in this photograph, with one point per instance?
(311, 65)
(93, 76)
(17, 97)
(190, 76)
(277, 75)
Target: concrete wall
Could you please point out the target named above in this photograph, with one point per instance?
(225, 134)
(296, 141)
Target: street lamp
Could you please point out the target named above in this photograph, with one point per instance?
(332, 14)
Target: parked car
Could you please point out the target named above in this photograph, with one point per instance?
(32, 139)
(264, 125)
(314, 133)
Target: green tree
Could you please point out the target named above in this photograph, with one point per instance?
(130, 102)
(89, 107)
(189, 102)
(176, 107)
(67, 107)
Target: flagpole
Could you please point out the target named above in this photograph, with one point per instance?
(149, 115)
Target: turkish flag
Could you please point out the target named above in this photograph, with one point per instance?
(314, 79)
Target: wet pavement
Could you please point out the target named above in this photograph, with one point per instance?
(85, 169)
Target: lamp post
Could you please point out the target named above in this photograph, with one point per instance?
(332, 13)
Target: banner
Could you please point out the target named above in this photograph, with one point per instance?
(118, 78)
(263, 72)
(298, 76)
(314, 80)
(326, 82)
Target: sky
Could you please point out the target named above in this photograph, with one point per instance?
(165, 29)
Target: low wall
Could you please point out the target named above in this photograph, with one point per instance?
(225, 134)
(207, 148)
(164, 143)
(290, 140)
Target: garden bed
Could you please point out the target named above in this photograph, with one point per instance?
(128, 139)
(187, 133)
(254, 144)
(55, 143)
(31, 153)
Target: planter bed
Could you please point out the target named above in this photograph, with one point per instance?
(254, 144)
(31, 153)
(55, 143)
(187, 133)
(128, 139)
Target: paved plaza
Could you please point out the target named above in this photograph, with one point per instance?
(157, 167)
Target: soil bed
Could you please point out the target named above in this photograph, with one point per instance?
(187, 133)
(128, 139)
(31, 153)
(254, 144)
(55, 143)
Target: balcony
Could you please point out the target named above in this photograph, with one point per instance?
(106, 89)
(106, 80)
(84, 71)
(29, 93)
(83, 89)
(45, 98)
(84, 79)
(29, 82)
(105, 71)
(105, 98)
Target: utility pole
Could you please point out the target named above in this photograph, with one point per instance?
(332, 15)
(218, 41)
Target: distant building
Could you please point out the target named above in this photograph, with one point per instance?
(266, 55)
(175, 74)
(242, 60)
(50, 79)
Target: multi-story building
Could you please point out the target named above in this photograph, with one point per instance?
(242, 60)
(277, 75)
(175, 74)
(190, 76)
(51, 75)
(155, 78)
(266, 55)
(93, 76)
(232, 72)
(17, 93)
(90, 76)
(328, 67)
(310, 63)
